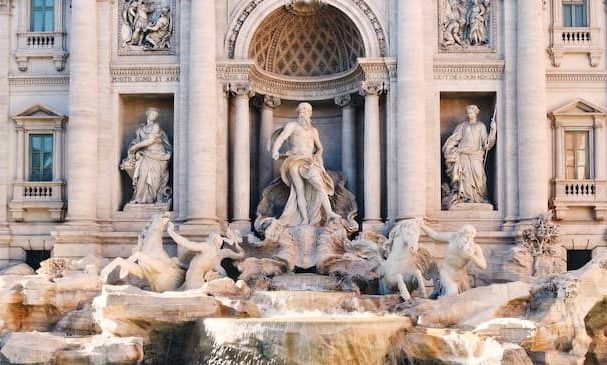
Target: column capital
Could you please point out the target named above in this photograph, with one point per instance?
(270, 101)
(241, 89)
(372, 88)
(344, 100)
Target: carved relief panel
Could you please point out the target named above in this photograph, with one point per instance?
(146, 27)
(467, 25)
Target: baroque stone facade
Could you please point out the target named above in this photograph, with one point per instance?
(388, 80)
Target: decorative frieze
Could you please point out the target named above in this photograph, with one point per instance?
(469, 71)
(577, 76)
(146, 27)
(148, 73)
(467, 26)
(27, 81)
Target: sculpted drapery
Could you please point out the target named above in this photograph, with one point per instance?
(148, 162)
(465, 152)
(303, 171)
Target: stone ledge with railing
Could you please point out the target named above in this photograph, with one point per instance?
(580, 193)
(576, 40)
(40, 45)
(38, 195)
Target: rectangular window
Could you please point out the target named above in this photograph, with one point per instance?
(577, 155)
(575, 13)
(42, 16)
(41, 157)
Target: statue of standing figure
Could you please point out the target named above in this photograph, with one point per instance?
(147, 163)
(303, 171)
(465, 153)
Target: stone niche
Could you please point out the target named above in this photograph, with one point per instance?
(452, 112)
(132, 115)
(327, 118)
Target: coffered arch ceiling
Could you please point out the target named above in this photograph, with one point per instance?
(310, 44)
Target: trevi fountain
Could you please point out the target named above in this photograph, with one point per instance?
(303, 182)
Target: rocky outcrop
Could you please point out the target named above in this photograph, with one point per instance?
(37, 302)
(46, 348)
(128, 311)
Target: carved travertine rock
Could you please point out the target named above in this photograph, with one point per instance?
(147, 163)
(129, 311)
(461, 252)
(465, 153)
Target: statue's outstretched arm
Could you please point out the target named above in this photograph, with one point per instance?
(184, 242)
(437, 236)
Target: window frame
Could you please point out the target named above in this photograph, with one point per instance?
(573, 4)
(590, 152)
(29, 166)
(44, 10)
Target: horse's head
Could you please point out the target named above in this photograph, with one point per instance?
(159, 222)
(406, 234)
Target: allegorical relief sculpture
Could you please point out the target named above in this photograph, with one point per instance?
(146, 25)
(147, 163)
(465, 153)
(465, 23)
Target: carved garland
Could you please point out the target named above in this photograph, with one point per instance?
(361, 4)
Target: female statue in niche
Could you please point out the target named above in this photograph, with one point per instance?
(147, 163)
(465, 153)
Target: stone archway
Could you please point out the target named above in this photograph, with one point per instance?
(250, 16)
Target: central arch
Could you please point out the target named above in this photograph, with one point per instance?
(249, 17)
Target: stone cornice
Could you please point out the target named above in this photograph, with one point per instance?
(39, 80)
(147, 73)
(469, 71)
(576, 76)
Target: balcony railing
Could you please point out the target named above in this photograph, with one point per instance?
(40, 45)
(37, 195)
(579, 190)
(576, 40)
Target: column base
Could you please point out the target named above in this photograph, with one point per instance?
(242, 226)
(199, 228)
(374, 225)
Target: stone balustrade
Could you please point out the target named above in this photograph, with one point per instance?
(44, 195)
(40, 45)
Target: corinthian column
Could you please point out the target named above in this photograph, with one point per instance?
(202, 124)
(348, 130)
(265, 134)
(372, 153)
(410, 128)
(241, 157)
(83, 111)
(531, 110)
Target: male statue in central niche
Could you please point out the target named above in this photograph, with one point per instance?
(147, 163)
(303, 171)
(465, 153)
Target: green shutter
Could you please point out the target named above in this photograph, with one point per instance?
(41, 157)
